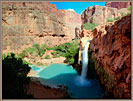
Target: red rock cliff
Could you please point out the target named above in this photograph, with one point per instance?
(100, 14)
(26, 23)
(111, 49)
(118, 5)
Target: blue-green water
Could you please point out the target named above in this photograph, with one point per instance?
(63, 74)
(34, 68)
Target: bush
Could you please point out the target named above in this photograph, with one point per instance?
(14, 77)
(39, 63)
(44, 46)
(89, 26)
(71, 52)
(123, 14)
(47, 57)
(23, 54)
(110, 20)
(117, 18)
(129, 8)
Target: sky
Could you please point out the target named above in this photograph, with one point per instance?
(78, 7)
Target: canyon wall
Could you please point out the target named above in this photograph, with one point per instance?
(100, 14)
(26, 23)
(110, 47)
(118, 5)
(112, 51)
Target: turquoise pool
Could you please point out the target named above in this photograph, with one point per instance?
(34, 68)
(63, 74)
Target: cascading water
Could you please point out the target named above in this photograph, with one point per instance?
(82, 79)
(84, 61)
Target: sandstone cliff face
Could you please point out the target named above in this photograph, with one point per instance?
(100, 14)
(118, 5)
(26, 23)
(111, 49)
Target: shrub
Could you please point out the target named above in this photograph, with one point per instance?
(44, 46)
(14, 76)
(110, 20)
(123, 14)
(101, 70)
(47, 57)
(39, 51)
(30, 50)
(117, 18)
(39, 63)
(36, 46)
(23, 54)
(56, 56)
(89, 26)
(129, 8)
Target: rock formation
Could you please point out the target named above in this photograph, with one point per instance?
(111, 49)
(100, 14)
(26, 23)
(118, 5)
(77, 33)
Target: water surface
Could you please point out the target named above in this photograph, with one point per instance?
(63, 74)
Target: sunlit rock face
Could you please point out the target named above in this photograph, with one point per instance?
(118, 5)
(26, 23)
(100, 14)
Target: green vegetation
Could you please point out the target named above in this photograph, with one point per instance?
(67, 50)
(39, 64)
(117, 18)
(89, 26)
(35, 50)
(47, 57)
(106, 77)
(101, 69)
(129, 8)
(123, 14)
(14, 77)
(39, 50)
(111, 20)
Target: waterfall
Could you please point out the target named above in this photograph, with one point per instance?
(82, 81)
(84, 61)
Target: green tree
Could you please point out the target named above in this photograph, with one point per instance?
(89, 26)
(14, 77)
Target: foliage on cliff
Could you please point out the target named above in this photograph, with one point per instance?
(68, 50)
(89, 26)
(14, 77)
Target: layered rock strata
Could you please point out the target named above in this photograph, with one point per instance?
(101, 14)
(118, 5)
(26, 23)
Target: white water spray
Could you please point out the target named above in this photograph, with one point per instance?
(84, 61)
(82, 79)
